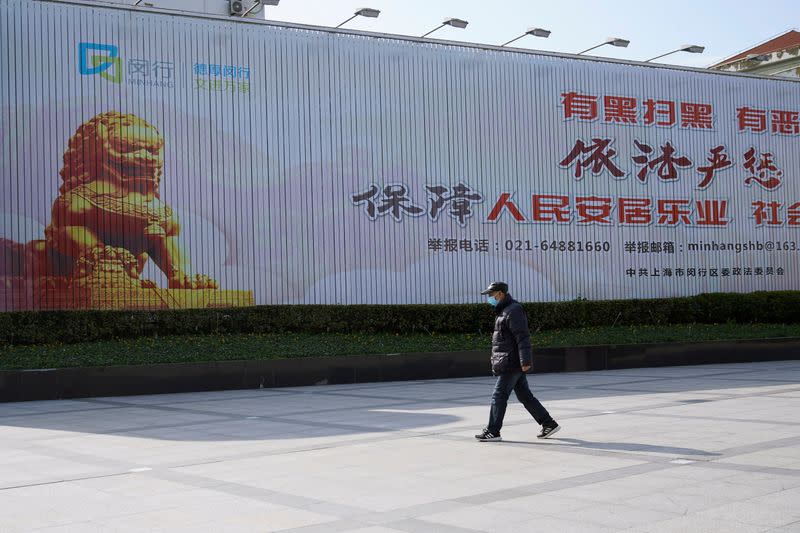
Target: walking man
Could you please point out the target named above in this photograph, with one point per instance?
(511, 359)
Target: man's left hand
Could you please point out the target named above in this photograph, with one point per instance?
(525, 368)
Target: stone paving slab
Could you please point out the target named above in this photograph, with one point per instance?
(695, 448)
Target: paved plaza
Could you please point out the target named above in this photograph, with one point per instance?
(703, 448)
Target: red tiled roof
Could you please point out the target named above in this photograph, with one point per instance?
(789, 39)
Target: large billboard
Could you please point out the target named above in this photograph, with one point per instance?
(154, 161)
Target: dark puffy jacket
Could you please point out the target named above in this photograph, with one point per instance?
(511, 340)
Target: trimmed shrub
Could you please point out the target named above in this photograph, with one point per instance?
(41, 327)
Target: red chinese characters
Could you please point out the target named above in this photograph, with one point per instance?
(620, 109)
(777, 121)
(667, 162)
(785, 122)
(698, 116)
(503, 204)
(712, 213)
(659, 113)
(719, 160)
(673, 212)
(793, 214)
(630, 211)
(593, 209)
(580, 106)
(599, 157)
(766, 212)
(627, 110)
(749, 119)
(771, 213)
(762, 169)
(635, 211)
(550, 208)
(632, 111)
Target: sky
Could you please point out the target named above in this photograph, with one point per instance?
(724, 27)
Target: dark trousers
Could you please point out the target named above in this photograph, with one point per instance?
(518, 382)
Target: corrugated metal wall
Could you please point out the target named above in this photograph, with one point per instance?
(270, 132)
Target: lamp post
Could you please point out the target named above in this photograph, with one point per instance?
(536, 32)
(796, 68)
(691, 48)
(260, 3)
(363, 12)
(613, 41)
(456, 23)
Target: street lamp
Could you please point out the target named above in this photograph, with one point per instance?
(261, 3)
(363, 12)
(691, 48)
(613, 41)
(536, 32)
(456, 23)
(795, 68)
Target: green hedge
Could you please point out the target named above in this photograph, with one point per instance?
(42, 327)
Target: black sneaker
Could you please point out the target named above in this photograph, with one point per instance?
(488, 436)
(548, 430)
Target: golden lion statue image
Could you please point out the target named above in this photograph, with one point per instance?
(109, 219)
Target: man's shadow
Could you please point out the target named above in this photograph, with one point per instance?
(622, 447)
